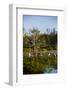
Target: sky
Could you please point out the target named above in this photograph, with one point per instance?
(39, 22)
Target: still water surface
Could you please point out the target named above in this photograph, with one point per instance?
(50, 70)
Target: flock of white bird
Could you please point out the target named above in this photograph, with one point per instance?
(49, 54)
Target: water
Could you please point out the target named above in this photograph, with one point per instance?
(50, 70)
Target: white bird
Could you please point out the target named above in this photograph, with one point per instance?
(29, 54)
(55, 54)
(49, 54)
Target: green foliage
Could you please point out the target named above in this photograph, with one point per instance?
(37, 43)
(37, 39)
(37, 65)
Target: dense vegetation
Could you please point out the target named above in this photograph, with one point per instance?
(39, 51)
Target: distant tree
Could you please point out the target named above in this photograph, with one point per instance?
(53, 38)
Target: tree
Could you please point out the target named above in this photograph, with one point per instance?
(35, 33)
(53, 39)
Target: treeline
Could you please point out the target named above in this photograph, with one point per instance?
(35, 38)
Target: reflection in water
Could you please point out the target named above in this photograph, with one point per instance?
(50, 70)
